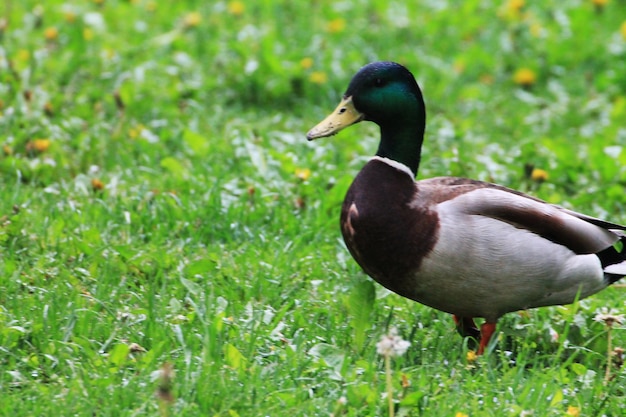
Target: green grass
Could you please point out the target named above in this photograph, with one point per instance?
(211, 248)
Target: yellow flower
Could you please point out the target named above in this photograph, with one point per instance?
(134, 132)
(599, 3)
(516, 5)
(525, 77)
(623, 29)
(573, 411)
(512, 10)
(539, 175)
(336, 25)
(23, 55)
(192, 19)
(536, 29)
(236, 8)
(97, 184)
(303, 173)
(51, 33)
(151, 6)
(405, 381)
(306, 63)
(471, 356)
(38, 145)
(87, 34)
(460, 414)
(318, 77)
(70, 17)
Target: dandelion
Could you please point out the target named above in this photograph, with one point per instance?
(405, 381)
(609, 318)
(87, 34)
(516, 5)
(622, 29)
(539, 175)
(192, 19)
(336, 25)
(461, 414)
(525, 77)
(303, 173)
(135, 132)
(391, 345)
(51, 33)
(513, 9)
(599, 3)
(573, 411)
(536, 30)
(236, 8)
(471, 356)
(97, 184)
(318, 77)
(38, 145)
(306, 63)
(23, 55)
(69, 16)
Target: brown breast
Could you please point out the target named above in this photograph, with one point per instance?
(386, 234)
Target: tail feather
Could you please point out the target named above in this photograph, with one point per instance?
(613, 259)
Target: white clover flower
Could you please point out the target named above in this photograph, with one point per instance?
(608, 317)
(392, 345)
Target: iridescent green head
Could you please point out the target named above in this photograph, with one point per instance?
(387, 94)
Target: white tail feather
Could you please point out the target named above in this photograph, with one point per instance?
(617, 269)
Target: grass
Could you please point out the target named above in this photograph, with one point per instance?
(161, 208)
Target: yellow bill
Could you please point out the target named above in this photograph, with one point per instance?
(343, 116)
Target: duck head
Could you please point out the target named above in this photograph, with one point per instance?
(387, 94)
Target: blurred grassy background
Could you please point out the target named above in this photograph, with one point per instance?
(161, 205)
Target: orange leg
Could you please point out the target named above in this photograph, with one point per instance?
(487, 330)
(466, 326)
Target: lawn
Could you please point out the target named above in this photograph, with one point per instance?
(169, 240)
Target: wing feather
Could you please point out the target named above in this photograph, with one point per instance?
(580, 233)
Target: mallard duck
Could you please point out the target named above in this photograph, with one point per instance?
(465, 247)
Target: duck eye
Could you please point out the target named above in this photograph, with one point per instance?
(378, 82)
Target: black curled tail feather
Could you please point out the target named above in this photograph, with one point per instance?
(614, 256)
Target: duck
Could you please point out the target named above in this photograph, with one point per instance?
(470, 248)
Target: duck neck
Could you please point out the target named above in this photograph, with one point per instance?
(402, 142)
